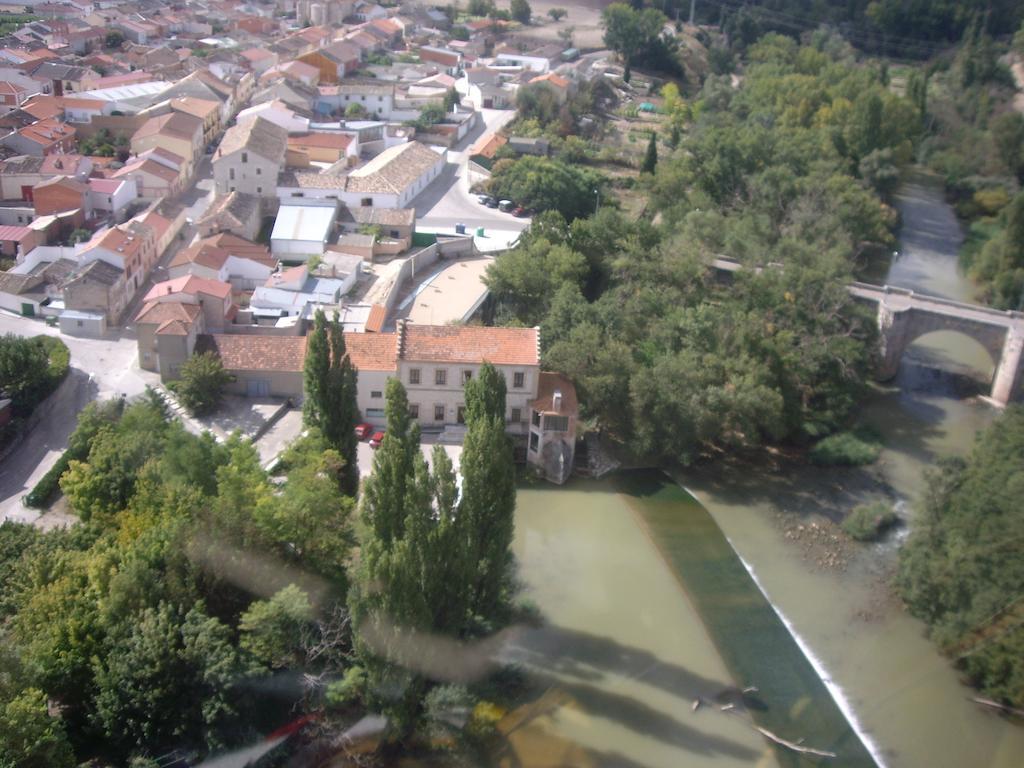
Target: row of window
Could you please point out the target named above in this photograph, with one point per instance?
(231, 171)
(441, 377)
(515, 416)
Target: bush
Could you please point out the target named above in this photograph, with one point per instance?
(59, 359)
(849, 449)
(202, 383)
(92, 418)
(869, 521)
(45, 491)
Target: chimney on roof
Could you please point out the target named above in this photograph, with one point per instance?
(556, 401)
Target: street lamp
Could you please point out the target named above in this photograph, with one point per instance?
(597, 202)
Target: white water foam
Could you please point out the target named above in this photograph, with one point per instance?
(834, 689)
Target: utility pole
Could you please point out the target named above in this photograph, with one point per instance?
(693, 8)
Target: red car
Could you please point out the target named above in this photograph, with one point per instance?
(363, 431)
(377, 439)
(519, 212)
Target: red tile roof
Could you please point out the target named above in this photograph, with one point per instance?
(469, 344)
(548, 384)
(169, 316)
(285, 354)
(372, 351)
(189, 284)
(375, 320)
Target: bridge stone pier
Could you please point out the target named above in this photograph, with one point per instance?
(904, 316)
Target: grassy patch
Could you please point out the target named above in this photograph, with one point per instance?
(847, 449)
(869, 521)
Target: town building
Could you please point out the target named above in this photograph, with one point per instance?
(249, 158)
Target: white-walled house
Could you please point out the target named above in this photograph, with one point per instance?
(390, 180)
(227, 258)
(112, 196)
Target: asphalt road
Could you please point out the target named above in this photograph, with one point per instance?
(448, 201)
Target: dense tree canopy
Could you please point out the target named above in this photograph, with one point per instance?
(962, 570)
(145, 621)
(547, 185)
(666, 355)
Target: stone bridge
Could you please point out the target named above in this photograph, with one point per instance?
(904, 316)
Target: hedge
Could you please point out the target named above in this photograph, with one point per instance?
(45, 491)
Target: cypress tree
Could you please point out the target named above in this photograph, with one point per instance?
(651, 158)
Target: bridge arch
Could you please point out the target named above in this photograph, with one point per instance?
(904, 317)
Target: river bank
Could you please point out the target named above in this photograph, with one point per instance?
(907, 696)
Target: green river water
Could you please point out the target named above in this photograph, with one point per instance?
(648, 607)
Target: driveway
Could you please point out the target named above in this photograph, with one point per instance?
(100, 369)
(448, 201)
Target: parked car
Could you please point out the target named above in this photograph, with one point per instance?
(377, 439)
(491, 202)
(506, 206)
(363, 431)
(519, 212)
(482, 199)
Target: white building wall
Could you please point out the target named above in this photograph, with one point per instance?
(428, 394)
(257, 176)
(116, 202)
(368, 383)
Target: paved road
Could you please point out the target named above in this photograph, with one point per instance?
(448, 200)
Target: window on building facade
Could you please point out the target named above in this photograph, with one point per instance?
(414, 375)
(460, 414)
(536, 418)
(556, 423)
(367, 202)
(467, 376)
(534, 442)
(259, 171)
(231, 174)
(440, 377)
(438, 413)
(245, 157)
(517, 415)
(414, 411)
(259, 190)
(518, 380)
(375, 394)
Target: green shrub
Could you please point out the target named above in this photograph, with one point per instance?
(202, 383)
(45, 491)
(869, 521)
(59, 358)
(849, 449)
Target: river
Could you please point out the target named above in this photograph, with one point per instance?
(636, 631)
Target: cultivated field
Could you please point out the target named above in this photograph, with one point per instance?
(584, 16)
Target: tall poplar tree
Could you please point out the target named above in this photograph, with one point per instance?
(316, 370)
(330, 386)
(415, 570)
(488, 494)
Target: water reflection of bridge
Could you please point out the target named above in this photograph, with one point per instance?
(905, 315)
